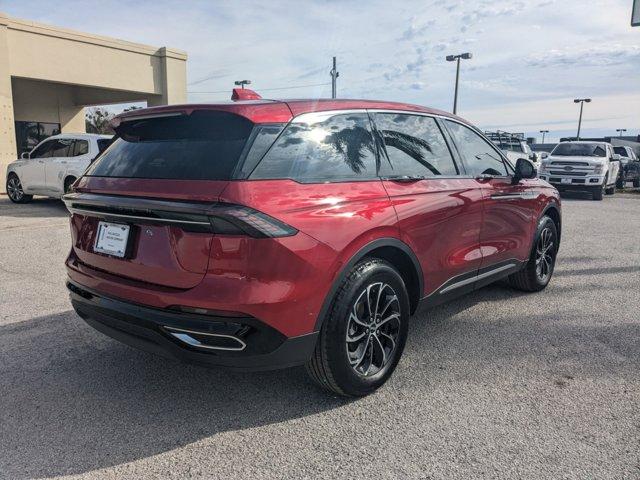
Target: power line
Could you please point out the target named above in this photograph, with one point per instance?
(273, 89)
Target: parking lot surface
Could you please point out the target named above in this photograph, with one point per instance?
(498, 384)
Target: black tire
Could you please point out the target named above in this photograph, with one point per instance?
(598, 192)
(610, 190)
(14, 190)
(621, 181)
(636, 183)
(67, 183)
(529, 279)
(333, 365)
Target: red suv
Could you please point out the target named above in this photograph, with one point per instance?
(264, 234)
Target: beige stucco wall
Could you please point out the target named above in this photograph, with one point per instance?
(50, 74)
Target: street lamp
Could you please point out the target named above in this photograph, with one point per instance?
(581, 101)
(621, 131)
(543, 132)
(456, 58)
(242, 83)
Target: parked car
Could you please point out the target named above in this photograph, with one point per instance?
(513, 146)
(630, 167)
(582, 166)
(53, 165)
(266, 234)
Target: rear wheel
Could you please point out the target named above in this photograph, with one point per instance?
(14, 190)
(536, 274)
(363, 336)
(67, 183)
(636, 182)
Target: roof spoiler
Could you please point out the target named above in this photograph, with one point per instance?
(244, 94)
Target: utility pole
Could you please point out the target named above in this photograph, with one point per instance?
(334, 77)
(456, 58)
(621, 131)
(581, 101)
(543, 132)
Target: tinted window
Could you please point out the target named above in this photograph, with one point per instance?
(80, 147)
(579, 150)
(30, 134)
(60, 148)
(323, 148)
(262, 138)
(43, 150)
(479, 156)
(205, 145)
(103, 143)
(414, 145)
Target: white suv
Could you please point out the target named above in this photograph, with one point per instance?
(53, 165)
(586, 166)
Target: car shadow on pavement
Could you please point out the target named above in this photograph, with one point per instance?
(37, 208)
(74, 401)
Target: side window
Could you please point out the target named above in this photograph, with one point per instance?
(414, 146)
(322, 147)
(43, 150)
(61, 147)
(479, 157)
(80, 147)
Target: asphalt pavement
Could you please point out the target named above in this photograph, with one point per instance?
(498, 384)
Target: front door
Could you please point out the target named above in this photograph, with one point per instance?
(508, 226)
(439, 210)
(31, 173)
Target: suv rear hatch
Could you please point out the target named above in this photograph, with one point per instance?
(147, 208)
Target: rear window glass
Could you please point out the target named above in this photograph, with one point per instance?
(322, 148)
(202, 146)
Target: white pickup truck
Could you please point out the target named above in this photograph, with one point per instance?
(582, 166)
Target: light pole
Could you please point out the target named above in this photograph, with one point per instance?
(456, 58)
(242, 83)
(621, 131)
(581, 101)
(334, 77)
(543, 132)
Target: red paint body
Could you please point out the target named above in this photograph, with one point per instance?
(451, 225)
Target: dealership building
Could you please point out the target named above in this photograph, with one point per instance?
(49, 74)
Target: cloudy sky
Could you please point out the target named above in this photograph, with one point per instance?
(530, 57)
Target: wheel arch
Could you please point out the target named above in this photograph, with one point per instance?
(392, 250)
(552, 210)
(68, 176)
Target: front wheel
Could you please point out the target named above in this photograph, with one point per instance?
(621, 181)
(536, 274)
(364, 333)
(15, 191)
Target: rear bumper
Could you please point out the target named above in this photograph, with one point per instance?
(241, 343)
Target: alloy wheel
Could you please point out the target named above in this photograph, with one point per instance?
(544, 255)
(373, 329)
(14, 189)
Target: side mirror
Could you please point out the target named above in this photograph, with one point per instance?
(524, 169)
(543, 155)
(616, 157)
(25, 155)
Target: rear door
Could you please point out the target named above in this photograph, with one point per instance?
(509, 210)
(439, 208)
(56, 164)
